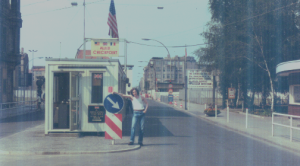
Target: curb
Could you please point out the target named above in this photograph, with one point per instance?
(65, 152)
(256, 116)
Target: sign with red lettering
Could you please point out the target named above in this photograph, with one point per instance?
(105, 47)
(231, 93)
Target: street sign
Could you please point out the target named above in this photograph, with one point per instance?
(231, 93)
(170, 98)
(199, 79)
(113, 103)
(170, 86)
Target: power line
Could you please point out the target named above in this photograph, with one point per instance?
(57, 9)
(166, 46)
(260, 14)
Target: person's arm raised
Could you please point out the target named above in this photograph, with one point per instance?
(123, 95)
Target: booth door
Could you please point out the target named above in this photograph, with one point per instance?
(74, 100)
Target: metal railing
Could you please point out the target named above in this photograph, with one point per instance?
(20, 104)
(288, 126)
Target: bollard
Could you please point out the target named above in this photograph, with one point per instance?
(216, 112)
(246, 118)
(227, 112)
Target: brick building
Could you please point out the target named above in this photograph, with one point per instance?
(167, 71)
(10, 24)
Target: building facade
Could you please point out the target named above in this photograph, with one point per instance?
(161, 72)
(10, 24)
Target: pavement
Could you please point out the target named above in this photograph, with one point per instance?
(258, 127)
(33, 141)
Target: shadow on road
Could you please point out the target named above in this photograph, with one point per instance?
(153, 125)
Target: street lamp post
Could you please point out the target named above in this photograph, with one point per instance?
(167, 55)
(144, 76)
(84, 46)
(32, 59)
(26, 68)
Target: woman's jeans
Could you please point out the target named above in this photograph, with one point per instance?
(138, 117)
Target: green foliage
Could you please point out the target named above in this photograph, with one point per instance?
(246, 39)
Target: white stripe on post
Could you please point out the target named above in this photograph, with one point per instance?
(227, 112)
(246, 118)
(216, 112)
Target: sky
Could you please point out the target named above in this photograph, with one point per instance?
(55, 29)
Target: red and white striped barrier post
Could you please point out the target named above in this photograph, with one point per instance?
(175, 103)
(180, 105)
(113, 126)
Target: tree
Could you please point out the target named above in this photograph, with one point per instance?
(246, 39)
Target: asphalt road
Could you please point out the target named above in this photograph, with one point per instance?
(19, 123)
(175, 138)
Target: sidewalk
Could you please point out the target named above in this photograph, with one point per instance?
(34, 142)
(259, 127)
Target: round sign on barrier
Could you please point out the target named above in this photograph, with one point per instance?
(113, 103)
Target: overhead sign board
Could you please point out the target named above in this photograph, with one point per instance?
(199, 79)
(105, 47)
(113, 103)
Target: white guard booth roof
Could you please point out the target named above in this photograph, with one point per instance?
(75, 90)
(286, 68)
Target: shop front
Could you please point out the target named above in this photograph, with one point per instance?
(291, 70)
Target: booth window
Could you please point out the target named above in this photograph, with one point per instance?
(297, 94)
(97, 88)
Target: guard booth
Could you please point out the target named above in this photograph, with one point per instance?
(291, 70)
(75, 90)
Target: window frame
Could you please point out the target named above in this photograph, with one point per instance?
(92, 77)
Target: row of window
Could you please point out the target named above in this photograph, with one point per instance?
(169, 62)
(168, 69)
(158, 76)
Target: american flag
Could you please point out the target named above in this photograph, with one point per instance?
(112, 21)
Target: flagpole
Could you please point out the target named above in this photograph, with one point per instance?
(84, 30)
(185, 80)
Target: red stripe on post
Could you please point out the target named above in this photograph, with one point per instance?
(119, 116)
(107, 136)
(113, 126)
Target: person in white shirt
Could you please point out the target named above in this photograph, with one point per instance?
(140, 107)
